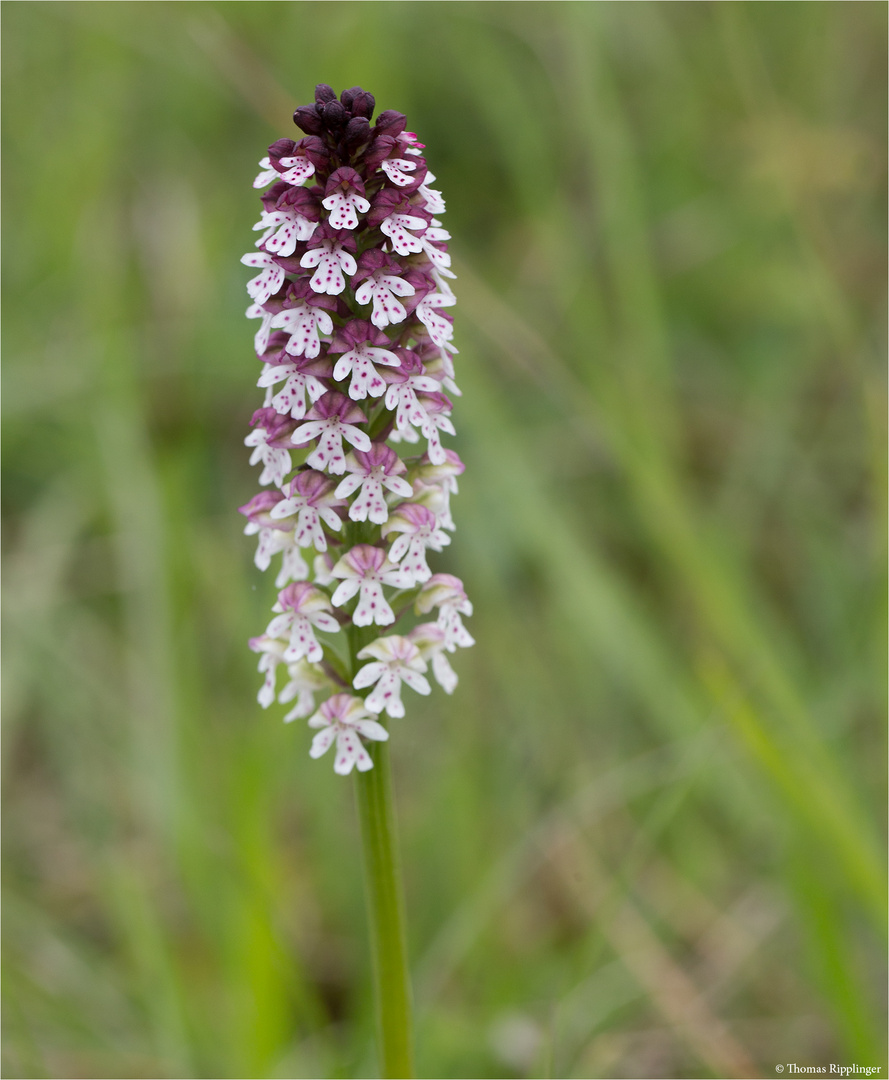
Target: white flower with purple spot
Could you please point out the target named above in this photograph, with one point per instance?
(446, 592)
(305, 323)
(418, 530)
(332, 261)
(395, 661)
(382, 288)
(313, 500)
(373, 471)
(398, 170)
(365, 570)
(331, 419)
(345, 719)
(266, 283)
(400, 229)
(302, 607)
(298, 380)
(360, 343)
(264, 438)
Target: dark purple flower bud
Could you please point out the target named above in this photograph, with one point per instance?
(324, 93)
(363, 104)
(390, 122)
(358, 133)
(307, 119)
(334, 116)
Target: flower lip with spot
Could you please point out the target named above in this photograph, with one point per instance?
(360, 343)
(396, 660)
(268, 281)
(331, 419)
(344, 718)
(446, 592)
(419, 530)
(301, 375)
(365, 570)
(329, 251)
(313, 500)
(378, 468)
(344, 198)
(302, 607)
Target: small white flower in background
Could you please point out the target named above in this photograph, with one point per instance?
(353, 300)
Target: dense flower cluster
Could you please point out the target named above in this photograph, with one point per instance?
(355, 338)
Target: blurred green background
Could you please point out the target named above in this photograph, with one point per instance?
(644, 837)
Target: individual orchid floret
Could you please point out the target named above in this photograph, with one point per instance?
(399, 169)
(292, 161)
(379, 468)
(381, 288)
(359, 342)
(436, 408)
(344, 198)
(405, 382)
(284, 228)
(268, 281)
(330, 420)
(271, 653)
(440, 328)
(305, 679)
(266, 175)
(345, 718)
(305, 320)
(313, 500)
(365, 570)
(302, 607)
(301, 375)
(332, 260)
(433, 201)
(269, 428)
(396, 661)
(434, 485)
(274, 537)
(418, 530)
(446, 592)
(430, 640)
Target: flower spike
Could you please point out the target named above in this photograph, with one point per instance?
(356, 340)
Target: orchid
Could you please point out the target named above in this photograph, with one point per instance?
(356, 343)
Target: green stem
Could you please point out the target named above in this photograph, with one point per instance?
(382, 876)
